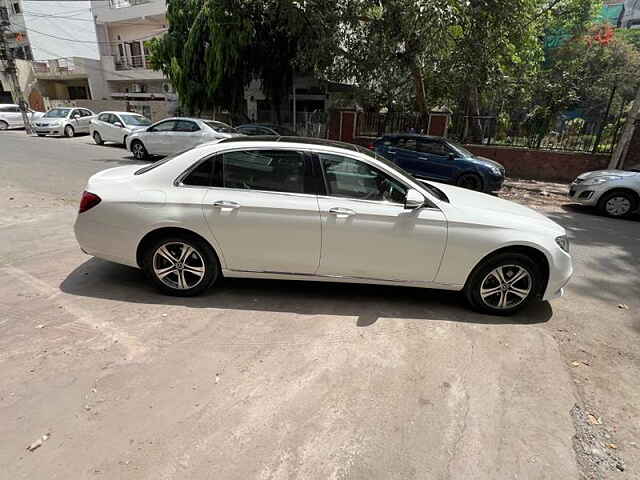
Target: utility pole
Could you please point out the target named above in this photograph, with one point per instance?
(620, 153)
(11, 70)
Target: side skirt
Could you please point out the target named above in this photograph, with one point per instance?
(337, 279)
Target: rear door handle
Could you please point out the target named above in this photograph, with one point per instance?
(341, 212)
(225, 204)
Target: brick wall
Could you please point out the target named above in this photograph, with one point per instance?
(542, 164)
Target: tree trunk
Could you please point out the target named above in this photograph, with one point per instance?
(476, 126)
(421, 101)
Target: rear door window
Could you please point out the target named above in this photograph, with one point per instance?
(432, 147)
(268, 170)
(166, 126)
(407, 143)
(186, 126)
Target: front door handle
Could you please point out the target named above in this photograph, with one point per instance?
(341, 212)
(225, 204)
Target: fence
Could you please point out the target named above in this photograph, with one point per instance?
(374, 124)
(564, 134)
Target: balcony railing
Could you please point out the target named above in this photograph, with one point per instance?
(126, 3)
(61, 65)
(132, 62)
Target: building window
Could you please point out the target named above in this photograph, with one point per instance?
(16, 8)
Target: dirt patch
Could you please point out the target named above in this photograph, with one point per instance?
(535, 193)
(595, 450)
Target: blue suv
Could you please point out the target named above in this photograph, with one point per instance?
(441, 160)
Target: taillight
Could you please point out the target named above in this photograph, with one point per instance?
(89, 200)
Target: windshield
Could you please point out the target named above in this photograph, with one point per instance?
(57, 113)
(135, 120)
(220, 127)
(459, 148)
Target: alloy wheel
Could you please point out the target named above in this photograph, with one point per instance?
(97, 138)
(138, 151)
(618, 206)
(506, 286)
(68, 131)
(470, 182)
(4, 125)
(178, 265)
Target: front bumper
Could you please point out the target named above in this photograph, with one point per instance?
(560, 272)
(493, 184)
(48, 130)
(586, 194)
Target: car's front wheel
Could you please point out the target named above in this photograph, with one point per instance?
(503, 284)
(618, 203)
(181, 265)
(138, 150)
(470, 181)
(97, 138)
(69, 131)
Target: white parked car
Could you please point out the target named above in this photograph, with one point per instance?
(116, 126)
(308, 209)
(11, 116)
(615, 193)
(173, 135)
(64, 121)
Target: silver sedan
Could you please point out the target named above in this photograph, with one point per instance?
(172, 135)
(64, 121)
(615, 193)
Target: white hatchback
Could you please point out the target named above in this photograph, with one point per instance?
(116, 126)
(173, 135)
(307, 209)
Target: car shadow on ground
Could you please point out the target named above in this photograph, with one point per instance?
(369, 303)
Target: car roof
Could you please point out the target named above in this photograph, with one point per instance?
(412, 135)
(121, 113)
(304, 140)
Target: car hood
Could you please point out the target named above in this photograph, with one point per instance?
(135, 128)
(468, 206)
(49, 121)
(607, 173)
(487, 161)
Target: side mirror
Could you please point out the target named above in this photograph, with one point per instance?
(76, 116)
(118, 124)
(413, 200)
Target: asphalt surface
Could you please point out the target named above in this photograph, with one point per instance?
(274, 380)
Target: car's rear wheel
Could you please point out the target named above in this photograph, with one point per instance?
(97, 138)
(138, 150)
(69, 131)
(503, 284)
(470, 181)
(618, 204)
(3, 125)
(181, 265)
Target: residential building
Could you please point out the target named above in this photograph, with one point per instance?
(124, 29)
(17, 43)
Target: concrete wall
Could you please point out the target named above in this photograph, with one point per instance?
(542, 164)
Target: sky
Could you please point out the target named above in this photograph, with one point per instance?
(52, 24)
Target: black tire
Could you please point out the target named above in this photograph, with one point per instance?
(470, 181)
(69, 132)
(4, 125)
(41, 134)
(139, 151)
(97, 138)
(184, 269)
(618, 204)
(483, 275)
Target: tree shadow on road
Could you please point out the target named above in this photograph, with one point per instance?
(99, 279)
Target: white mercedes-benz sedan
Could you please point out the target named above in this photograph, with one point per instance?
(308, 209)
(173, 135)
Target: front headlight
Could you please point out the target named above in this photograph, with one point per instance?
(563, 242)
(495, 170)
(55, 124)
(600, 180)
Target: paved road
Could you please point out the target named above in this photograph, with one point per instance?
(265, 379)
